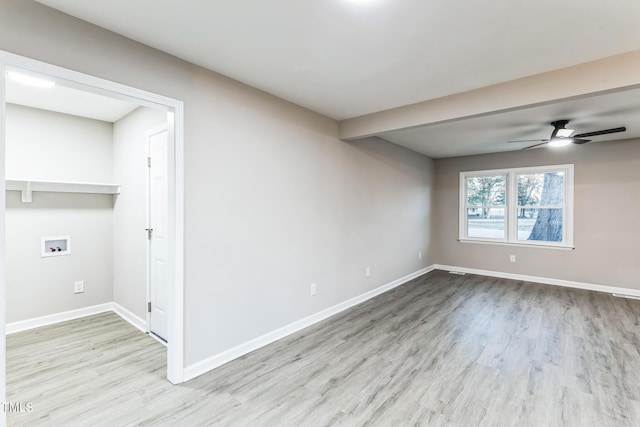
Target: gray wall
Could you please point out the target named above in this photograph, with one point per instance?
(43, 145)
(130, 208)
(273, 199)
(606, 213)
(57, 147)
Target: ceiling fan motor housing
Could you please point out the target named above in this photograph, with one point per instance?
(560, 124)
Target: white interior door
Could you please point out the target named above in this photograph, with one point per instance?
(157, 232)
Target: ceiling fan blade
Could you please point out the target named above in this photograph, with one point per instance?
(580, 141)
(600, 132)
(542, 143)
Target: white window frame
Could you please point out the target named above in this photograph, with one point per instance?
(511, 207)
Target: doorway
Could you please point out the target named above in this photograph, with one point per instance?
(173, 215)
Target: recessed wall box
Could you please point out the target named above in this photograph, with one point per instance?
(55, 246)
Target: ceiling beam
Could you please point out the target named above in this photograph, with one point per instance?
(597, 77)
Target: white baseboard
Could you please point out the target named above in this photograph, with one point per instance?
(543, 280)
(217, 360)
(37, 322)
(51, 319)
(129, 317)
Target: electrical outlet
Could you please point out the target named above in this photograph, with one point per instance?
(419, 255)
(78, 286)
(314, 289)
(367, 272)
(512, 258)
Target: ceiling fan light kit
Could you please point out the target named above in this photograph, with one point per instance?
(560, 142)
(561, 136)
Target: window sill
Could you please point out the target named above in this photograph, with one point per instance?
(521, 245)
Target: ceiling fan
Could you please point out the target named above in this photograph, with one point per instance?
(562, 136)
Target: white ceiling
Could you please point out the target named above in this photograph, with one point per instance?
(344, 58)
(490, 133)
(68, 100)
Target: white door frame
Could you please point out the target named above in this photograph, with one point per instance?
(175, 347)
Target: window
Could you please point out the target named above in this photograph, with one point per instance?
(525, 206)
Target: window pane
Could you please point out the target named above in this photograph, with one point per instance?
(540, 224)
(485, 222)
(541, 189)
(486, 190)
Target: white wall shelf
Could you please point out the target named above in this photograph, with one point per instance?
(27, 187)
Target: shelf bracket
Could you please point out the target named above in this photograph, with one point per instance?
(27, 194)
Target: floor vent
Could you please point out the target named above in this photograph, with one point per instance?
(626, 296)
(459, 273)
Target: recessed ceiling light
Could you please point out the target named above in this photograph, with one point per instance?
(29, 80)
(560, 142)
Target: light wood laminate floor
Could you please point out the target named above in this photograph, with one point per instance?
(442, 350)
